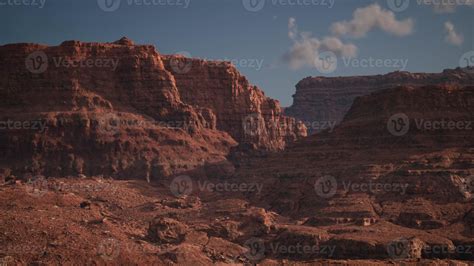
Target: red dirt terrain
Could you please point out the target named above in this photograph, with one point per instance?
(391, 184)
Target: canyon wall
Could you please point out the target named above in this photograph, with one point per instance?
(241, 109)
(99, 109)
(116, 109)
(368, 184)
(321, 101)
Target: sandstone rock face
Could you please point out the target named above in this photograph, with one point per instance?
(99, 108)
(241, 109)
(319, 101)
(124, 110)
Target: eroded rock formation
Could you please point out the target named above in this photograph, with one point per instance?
(120, 109)
(367, 191)
(368, 186)
(241, 109)
(322, 102)
(90, 108)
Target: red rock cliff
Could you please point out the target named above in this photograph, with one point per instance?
(99, 108)
(321, 99)
(121, 109)
(411, 183)
(241, 109)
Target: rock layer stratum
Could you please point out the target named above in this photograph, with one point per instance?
(122, 110)
(322, 102)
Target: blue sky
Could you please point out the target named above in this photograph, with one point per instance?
(225, 29)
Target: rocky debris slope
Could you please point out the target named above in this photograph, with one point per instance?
(97, 221)
(241, 109)
(322, 102)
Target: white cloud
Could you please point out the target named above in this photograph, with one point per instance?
(306, 49)
(292, 28)
(335, 45)
(452, 36)
(373, 16)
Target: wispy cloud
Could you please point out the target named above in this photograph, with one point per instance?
(306, 49)
(368, 18)
(452, 36)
